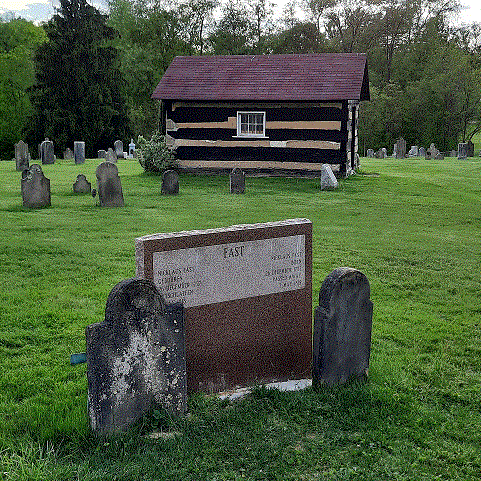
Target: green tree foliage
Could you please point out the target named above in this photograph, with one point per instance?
(79, 90)
(18, 39)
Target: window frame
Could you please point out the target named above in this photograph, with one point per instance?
(247, 135)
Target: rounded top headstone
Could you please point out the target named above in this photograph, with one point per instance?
(106, 167)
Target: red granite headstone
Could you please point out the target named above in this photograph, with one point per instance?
(247, 293)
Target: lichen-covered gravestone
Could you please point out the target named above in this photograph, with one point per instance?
(119, 149)
(328, 179)
(101, 154)
(68, 154)
(135, 358)
(82, 185)
(79, 152)
(47, 155)
(237, 181)
(400, 149)
(35, 188)
(342, 328)
(170, 183)
(22, 156)
(109, 186)
(462, 150)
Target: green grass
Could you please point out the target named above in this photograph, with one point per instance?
(413, 227)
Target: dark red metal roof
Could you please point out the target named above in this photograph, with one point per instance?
(329, 76)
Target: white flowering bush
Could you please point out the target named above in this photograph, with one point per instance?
(154, 155)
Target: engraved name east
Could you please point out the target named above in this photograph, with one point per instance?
(216, 273)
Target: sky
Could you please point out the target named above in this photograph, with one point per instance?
(38, 10)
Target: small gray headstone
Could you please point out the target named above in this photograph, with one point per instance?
(82, 185)
(35, 188)
(342, 328)
(413, 151)
(135, 358)
(170, 182)
(380, 154)
(111, 156)
(46, 152)
(109, 186)
(237, 181)
(462, 150)
(79, 152)
(22, 156)
(439, 156)
(422, 152)
(119, 149)
(370, 153)
(68, 154)
(328, 179)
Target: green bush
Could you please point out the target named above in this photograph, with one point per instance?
(154, 154)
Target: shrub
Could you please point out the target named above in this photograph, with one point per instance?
(154, 154)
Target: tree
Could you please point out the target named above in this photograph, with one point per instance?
(79, 89)
(18, 40)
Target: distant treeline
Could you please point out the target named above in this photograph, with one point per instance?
(425, 70)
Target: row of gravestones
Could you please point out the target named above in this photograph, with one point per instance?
(136, 357)
(399, 151)
(35, 187)
(47, 156)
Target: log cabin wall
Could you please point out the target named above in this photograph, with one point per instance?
(296, 136)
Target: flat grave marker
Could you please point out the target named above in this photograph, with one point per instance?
(247, 295)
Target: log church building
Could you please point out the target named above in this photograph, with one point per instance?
(274, 114)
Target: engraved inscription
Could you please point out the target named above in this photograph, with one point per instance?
(206, 275)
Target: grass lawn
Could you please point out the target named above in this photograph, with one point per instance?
(412, 226)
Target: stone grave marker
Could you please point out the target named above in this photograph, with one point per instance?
(439, 156)
(342, 328)
(131, 148)
(46, 152)
(328, 179)
(119, 149)
(109, 186)
(35, 188)
(82, 185)
(237, 181)
(400, 148)
(22, 156)
(111, 156)
(68, 154)
(101, 154)
(79, 152)
(462, 150)
(170, 182)
(470, 149)
(246, 291)
(370, 153)
(413, 151)
(135, 358)
(422, 152)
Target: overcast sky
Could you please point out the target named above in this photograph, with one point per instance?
(38, 10)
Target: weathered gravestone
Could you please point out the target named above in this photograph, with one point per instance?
(135, 358)
(342, 328)
(109, 186)
(439, 156)
(413, 151)
(400, 148)
(246, 291)
(432, 152)
(237, 181)
(370, 153)
(22, 156)
(119, 149)
(68, 154)
(384, 151)
(170, 182)
(35, 188)
(46, 152)
(328, 179)
(380, 154)
(82, 185)
(462, 150)
(470, 149)
(422, 152)
(111, 156)
(79, 152)
(101, 154)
